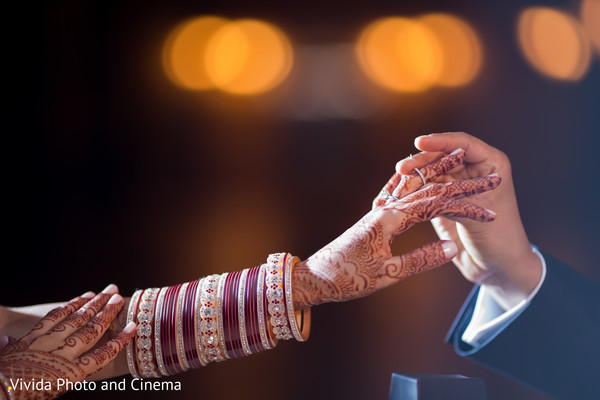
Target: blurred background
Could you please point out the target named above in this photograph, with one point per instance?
(150, 143)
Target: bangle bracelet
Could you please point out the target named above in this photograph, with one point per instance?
(191, 351)
(208, 318)
(198, 322)
(233, 341)
(131, 346)
(300, 318)
(241, 314)
(275, 295)
(220, 323)
(183, 362)
(268, 342)
(145, 318)
(160, 298)
(251, 312)
(168, 331)
(6, 387)
(164, 330)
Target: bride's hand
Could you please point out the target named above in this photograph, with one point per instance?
(60, 346)
(360, 261)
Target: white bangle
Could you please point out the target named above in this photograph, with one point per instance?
(276, 304)
(131, 345)
(267, 340)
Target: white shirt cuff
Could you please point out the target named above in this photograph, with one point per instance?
(489, 318)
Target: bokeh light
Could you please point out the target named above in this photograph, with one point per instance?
(400, 54)
(590, 17)
(184, 52)
(240, 57)
(248, 57)
(554, 43)
(460, 46)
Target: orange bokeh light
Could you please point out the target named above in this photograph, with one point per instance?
(590, 17)
(554, 43)
(460, 46)
(242, 57)
(184, 52)
(400, 54)
(248, 57)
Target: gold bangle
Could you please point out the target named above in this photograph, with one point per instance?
(299, 320)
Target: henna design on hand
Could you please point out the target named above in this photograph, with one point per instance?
(459, 189)
(83, 315)
(360, 262)
(416, 261)
(28, 360)
(102, 356)
(403, 185)
(93, 330)
(56, 315)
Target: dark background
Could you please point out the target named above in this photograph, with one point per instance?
(113, 174)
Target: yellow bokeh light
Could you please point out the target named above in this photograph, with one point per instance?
(184, 52)
(248, 57)
(461, 49)
(554, 43)
(590, 16)
(400, 54)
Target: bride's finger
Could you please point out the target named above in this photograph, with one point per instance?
(55, 316)
(424, 258)
(99, 358)
(86, 337)
(457, 189)
(464, 209)
(413, 180)
(80, 317)
(387, 190)
(427, 173)
(406, 166)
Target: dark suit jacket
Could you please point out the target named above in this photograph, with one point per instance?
(554, 344)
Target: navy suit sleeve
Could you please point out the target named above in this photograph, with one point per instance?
(554, 345)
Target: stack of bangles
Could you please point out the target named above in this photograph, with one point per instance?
(214, 319)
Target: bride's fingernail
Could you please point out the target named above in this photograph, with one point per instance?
(130, 327)
(3, 342)
(110, 289)
(116, 298)
(449, 248)
(494, 174)
(455, 152)
(88, 295)
(490, 211)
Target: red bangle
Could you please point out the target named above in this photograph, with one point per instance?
(251, 312)
(230, 316)
(167, 331)
(189, 341)
(180, 338)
